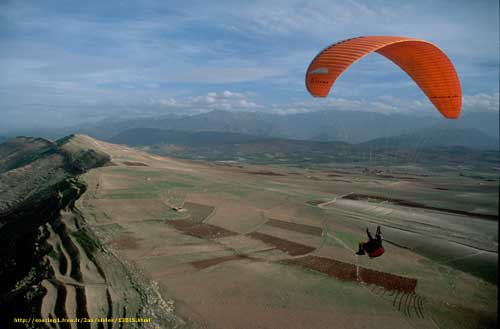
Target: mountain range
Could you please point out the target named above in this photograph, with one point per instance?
(475, 129)
(351, 127)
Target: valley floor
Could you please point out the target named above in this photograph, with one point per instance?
(273, 247)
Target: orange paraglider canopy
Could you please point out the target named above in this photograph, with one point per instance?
(424, 62)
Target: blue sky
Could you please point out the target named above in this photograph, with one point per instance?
(69, 62)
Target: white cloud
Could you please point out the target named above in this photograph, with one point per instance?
(389, 105)
(226, 100)
(481, 103)
(311, 17)
(385, 104)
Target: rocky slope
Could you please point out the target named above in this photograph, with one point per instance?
(51, 264)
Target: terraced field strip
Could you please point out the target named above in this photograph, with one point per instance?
(109, 301)
(265, 173)
(49, 299)
(290, 247)
(81, 306)
(72, 251)
(200, 230)
(406, 203)
(202, 264)
(300, 228)
(198, 212)
(135, 164)
(63, 261)
(347, 272)
(331, 267)
(387, 280)
(315, 202)
(60, 304)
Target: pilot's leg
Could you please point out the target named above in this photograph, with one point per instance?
(361, 250)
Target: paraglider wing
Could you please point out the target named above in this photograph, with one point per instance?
(424, 62)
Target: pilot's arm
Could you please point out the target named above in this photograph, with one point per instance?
(369, 234)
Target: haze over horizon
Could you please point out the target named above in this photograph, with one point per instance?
(70, 64)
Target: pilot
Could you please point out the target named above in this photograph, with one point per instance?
(373, 247)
